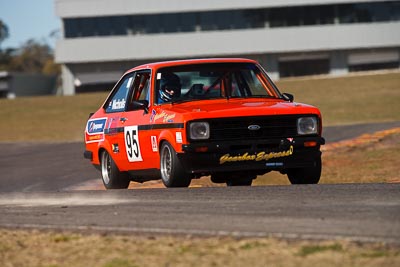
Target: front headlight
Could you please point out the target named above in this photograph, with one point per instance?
(307, 125)
(199, 130)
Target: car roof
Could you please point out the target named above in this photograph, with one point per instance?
(161, 64)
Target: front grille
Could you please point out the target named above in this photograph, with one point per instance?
(237, 128)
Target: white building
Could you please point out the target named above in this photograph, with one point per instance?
(103, 38)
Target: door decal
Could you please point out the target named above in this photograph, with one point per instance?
(131, 136)
(154, 145)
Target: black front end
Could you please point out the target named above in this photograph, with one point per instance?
(259, 144)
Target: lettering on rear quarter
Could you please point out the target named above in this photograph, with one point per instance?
(95, 130)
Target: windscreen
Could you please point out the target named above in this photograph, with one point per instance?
(213, 81)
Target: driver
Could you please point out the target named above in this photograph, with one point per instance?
(170, 87)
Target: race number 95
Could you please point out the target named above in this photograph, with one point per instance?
(132, 144)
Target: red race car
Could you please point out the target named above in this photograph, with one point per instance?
(181, 120)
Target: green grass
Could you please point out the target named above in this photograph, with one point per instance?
(119, 263)
(40, 249)
(345, 100)
(352, 99)
(312, 249)
(48, 118)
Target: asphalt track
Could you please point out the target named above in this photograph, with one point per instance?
(357, 212)
(37, 182)
(38, 167)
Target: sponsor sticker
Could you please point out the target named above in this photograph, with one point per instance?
(153, 114)
(154, 145)
(112, 123)
(178, 136)
(256, 157)
(274, 164)
(95, 130)
(132, 144)
(161, 117)
(118, 104)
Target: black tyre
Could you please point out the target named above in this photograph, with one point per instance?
(172, 171)
(310, 175)
(110, 174)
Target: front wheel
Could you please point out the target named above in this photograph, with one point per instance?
(110, 174)
(309, 175)
(172, 171)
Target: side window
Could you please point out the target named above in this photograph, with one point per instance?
(254, 83)
(141, 86)
(235, 88)
(118, 101)
(145, 93)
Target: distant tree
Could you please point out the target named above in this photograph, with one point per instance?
(6, 56)
(51, 68)
(34, 57)
(3, 32)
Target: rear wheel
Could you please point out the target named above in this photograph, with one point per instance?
(310, 175)
(110, 174)
(172, 171)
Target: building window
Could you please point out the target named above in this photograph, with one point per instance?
(374, 66)
(303, 67)
(232, 19)
(369, 12)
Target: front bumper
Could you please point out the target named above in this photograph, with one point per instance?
(251, 155)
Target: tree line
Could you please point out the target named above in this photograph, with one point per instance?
(32, 56)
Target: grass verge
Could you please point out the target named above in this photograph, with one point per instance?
(47, 118)
(373, 161)
(57, 249)
(345, 100)
(351, 99)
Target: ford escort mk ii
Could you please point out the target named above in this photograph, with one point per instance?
(181, 120)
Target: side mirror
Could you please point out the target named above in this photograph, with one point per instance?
(288, 97)
(140, 104)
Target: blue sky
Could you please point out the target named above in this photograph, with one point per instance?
(29, 19)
